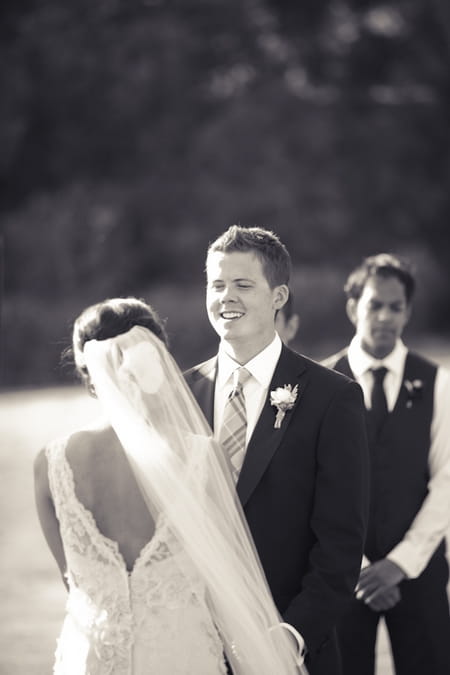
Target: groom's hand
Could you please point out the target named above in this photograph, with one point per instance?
(378, 585)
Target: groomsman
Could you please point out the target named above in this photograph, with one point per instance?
(405, 572)
(296, 438)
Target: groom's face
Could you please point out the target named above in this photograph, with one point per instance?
(240, 302)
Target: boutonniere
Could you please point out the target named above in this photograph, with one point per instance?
(414, 390)
(283, 398)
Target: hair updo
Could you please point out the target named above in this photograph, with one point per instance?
(108, 319)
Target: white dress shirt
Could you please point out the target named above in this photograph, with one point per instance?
(261, 367)
(432, 521)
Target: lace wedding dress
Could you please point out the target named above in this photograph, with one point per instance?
(151, 621)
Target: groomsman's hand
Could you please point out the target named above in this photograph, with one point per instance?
(377, 585)
(384, 600)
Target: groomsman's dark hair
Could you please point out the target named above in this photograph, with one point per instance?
(381, 265)
(266, 245)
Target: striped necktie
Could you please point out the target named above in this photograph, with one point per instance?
(234, 425)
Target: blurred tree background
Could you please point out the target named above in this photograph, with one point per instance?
(133, 132)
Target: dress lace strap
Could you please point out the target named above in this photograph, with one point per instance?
(73, 516)
(60, 476)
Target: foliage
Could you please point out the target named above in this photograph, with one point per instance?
(135, 131)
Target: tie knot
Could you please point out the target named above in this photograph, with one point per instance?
(379, 374)
(240, 377)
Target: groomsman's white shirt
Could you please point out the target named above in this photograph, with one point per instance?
(261, 367)
(431, 523)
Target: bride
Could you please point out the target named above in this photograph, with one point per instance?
(141, 516)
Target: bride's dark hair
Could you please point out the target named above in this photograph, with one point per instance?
(110, 318)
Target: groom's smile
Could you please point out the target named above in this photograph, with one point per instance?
(231, 315)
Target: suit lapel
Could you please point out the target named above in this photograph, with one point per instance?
(343, 366)
(202, 385)
(266, 439)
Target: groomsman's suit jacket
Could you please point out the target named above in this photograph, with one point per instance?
(303, 488)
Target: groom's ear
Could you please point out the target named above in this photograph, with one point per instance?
(280, 296)
(351, 310)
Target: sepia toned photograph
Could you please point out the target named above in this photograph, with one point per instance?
(225, 337)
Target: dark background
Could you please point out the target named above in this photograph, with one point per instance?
(133, 132)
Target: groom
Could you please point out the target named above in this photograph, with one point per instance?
(301, 462)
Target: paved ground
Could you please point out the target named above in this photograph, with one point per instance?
(32, 594)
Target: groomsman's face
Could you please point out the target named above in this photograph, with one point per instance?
(379, 315)
(240, 302)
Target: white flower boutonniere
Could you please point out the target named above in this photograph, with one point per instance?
(414, 389)
(283, 398)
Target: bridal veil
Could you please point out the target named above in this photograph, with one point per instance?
(183, 475)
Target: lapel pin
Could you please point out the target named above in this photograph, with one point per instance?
(414, 389)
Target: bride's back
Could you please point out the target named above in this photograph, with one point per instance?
(106, 486)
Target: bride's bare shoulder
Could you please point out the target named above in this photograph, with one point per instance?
(89, 445)
(78, 445)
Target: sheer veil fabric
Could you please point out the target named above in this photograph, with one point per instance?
(184, 478)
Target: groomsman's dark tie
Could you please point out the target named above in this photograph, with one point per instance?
(379, 409)
(234, 426)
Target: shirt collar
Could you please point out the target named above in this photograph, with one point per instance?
(260, 366)
(360, 361)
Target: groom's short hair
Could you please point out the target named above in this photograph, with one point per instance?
(266, 245)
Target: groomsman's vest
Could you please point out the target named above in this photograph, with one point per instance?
(399, 457)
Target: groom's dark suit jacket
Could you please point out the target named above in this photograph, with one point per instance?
(303, 488)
